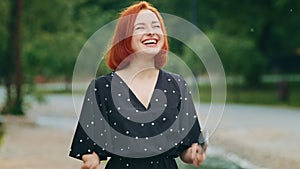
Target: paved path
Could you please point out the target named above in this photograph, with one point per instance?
(267, 136)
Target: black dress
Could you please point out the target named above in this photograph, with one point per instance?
(114, 123)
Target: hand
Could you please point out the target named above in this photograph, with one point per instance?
(198, 154)
(91, 161)
(194, 155)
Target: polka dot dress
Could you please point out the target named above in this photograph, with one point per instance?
(114, 123)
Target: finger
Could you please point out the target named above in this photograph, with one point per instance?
(194, 150)
(86, 157)
(98, 167)
(85, 166)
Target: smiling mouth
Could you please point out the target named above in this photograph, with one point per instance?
(150, 42)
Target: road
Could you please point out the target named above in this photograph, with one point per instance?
(266, 136)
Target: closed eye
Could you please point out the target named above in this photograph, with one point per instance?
(139, 27)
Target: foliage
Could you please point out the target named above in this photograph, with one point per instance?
(252, 37)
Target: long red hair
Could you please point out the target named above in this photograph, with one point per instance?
(120, 51)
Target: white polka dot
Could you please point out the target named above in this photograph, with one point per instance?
(80, 141)
(152, 124)
(169, 80)
(110, 111)
(173, 91)
(119, 94)
(175, 144)
(178, 80)
(137, 111)
(106, 85)
(165, 105)
(136, 137)
(151, 162)
(100, 105)
(88, 99)
(92, 122)
(160, 148)
(146, 138)
(122, 149)
(176, 117)
(145, 149)
(180, 98)
(115, 137)
(187, 114)
(105, 98)
(89, 150)
(128, 100)
(101, 134)
(104, 131)
(115, 123)
(119, 108)
(142, 124)
(128, 118)
(164, 119)
(95, 89)
(101, 119)
(127, 132)
(182, 129)
(171, 130)
(121, 82)
(127, 165)
(185, 99)
(165, 91)
(78, 155)
(156, 100)
(195, 116)
(87, 126)
(185, 84)
(128, 148)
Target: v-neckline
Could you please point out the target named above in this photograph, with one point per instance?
(135, 96)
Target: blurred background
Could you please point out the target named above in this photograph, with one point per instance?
(258, 43)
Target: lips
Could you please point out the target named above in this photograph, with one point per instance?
(150, 41)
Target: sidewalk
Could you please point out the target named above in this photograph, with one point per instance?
(27, 146)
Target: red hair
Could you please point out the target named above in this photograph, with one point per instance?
(121, 49)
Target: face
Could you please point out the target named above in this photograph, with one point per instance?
(147, 34)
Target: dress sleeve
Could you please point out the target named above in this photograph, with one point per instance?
(82, 142)
(194, 135)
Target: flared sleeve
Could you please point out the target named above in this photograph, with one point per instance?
(83, 142)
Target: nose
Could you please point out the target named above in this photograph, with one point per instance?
(149, 31)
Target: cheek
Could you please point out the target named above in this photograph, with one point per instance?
(135, 42)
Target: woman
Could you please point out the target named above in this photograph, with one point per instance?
(149, 105)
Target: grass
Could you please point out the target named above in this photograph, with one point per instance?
(265, 95)
(1, 134)
(210, 163)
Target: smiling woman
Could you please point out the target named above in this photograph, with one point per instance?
(139, 114)
(131, 24)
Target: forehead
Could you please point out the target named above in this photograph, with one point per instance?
(145, 16)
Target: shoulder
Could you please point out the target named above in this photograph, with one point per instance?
(170, 76)
(104, 79)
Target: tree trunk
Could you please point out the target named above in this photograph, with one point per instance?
(14, 76)
(18, 63)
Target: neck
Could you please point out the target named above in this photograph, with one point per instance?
(140, 64)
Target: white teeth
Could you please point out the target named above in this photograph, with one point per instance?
(150, 41)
